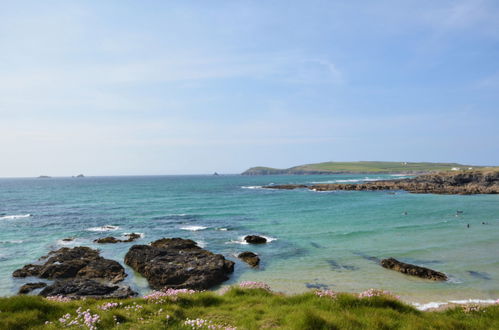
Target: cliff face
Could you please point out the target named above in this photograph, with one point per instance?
(470, 182)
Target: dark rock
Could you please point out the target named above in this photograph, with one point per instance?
(250, 258)
(69, 239)
(413, 270)
(28, 287)
(77, 288)
(255, 239)
(81, 262)
(178, 263)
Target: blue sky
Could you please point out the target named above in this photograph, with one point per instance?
(179, 87)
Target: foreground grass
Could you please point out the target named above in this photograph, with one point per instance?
(244, 309)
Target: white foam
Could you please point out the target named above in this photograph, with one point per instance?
(473, 301)
(104, 228)
(251, 187)
(433, 304)
(222, 229)
(15, 216)
(201, 244)
(436, 304)
(12, 242)
(193, 228)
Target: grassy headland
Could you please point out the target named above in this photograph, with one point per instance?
(239, 308)
(359, 167)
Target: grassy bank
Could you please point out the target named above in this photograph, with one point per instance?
(239, 308)
(359, 167)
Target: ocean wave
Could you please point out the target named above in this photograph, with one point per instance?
(103, 228)
(223, 229)
(12, 241)
(15, 216)
(194, 228)
(251, 187)
(201, 244)
(366, 179)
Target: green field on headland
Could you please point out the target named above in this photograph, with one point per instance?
(239, 309)
(359, 167)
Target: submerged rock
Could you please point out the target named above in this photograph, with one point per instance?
(250, 258)
(28, 287)
(88, 288)
(178, 263)
(77, 262)
(413, 270)
(105, 240)
(255, 239)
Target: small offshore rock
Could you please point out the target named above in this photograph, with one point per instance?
(28, 287)
(414, 270)
(250, 258)
(255, 239)
(106, 240)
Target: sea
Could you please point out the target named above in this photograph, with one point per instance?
(316, 240)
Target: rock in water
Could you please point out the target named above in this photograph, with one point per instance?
(413, 270)
(255, 239)
(77, 262)
(250, 258)
(28, 287)
(131, 237)
(107, 240)
(178, 263)
(77, 288)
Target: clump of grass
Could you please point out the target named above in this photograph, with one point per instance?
(250, 307)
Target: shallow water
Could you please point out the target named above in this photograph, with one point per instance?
(321, 239)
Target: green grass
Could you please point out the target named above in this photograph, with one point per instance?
(361, 167)
(247, 309)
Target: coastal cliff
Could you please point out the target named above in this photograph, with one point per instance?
(462, 182)
(359, 167)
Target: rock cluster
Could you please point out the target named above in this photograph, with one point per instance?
(178, 263)
(413, 270)
(73, 268)
(465, 183)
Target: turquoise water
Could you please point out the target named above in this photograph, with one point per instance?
(321, 239)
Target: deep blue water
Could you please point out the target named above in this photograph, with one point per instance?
(321, 239)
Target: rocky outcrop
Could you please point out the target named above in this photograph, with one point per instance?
(178, 263)
(250, 258)
(106, 240)
(88, 288)
(28, 287)
(465, 183)
(77, 262)
(79, 272)
(413, 270)
(255, 239)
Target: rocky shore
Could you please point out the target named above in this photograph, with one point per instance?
(464, 183)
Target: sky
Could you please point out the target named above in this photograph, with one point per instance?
(192, 87)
